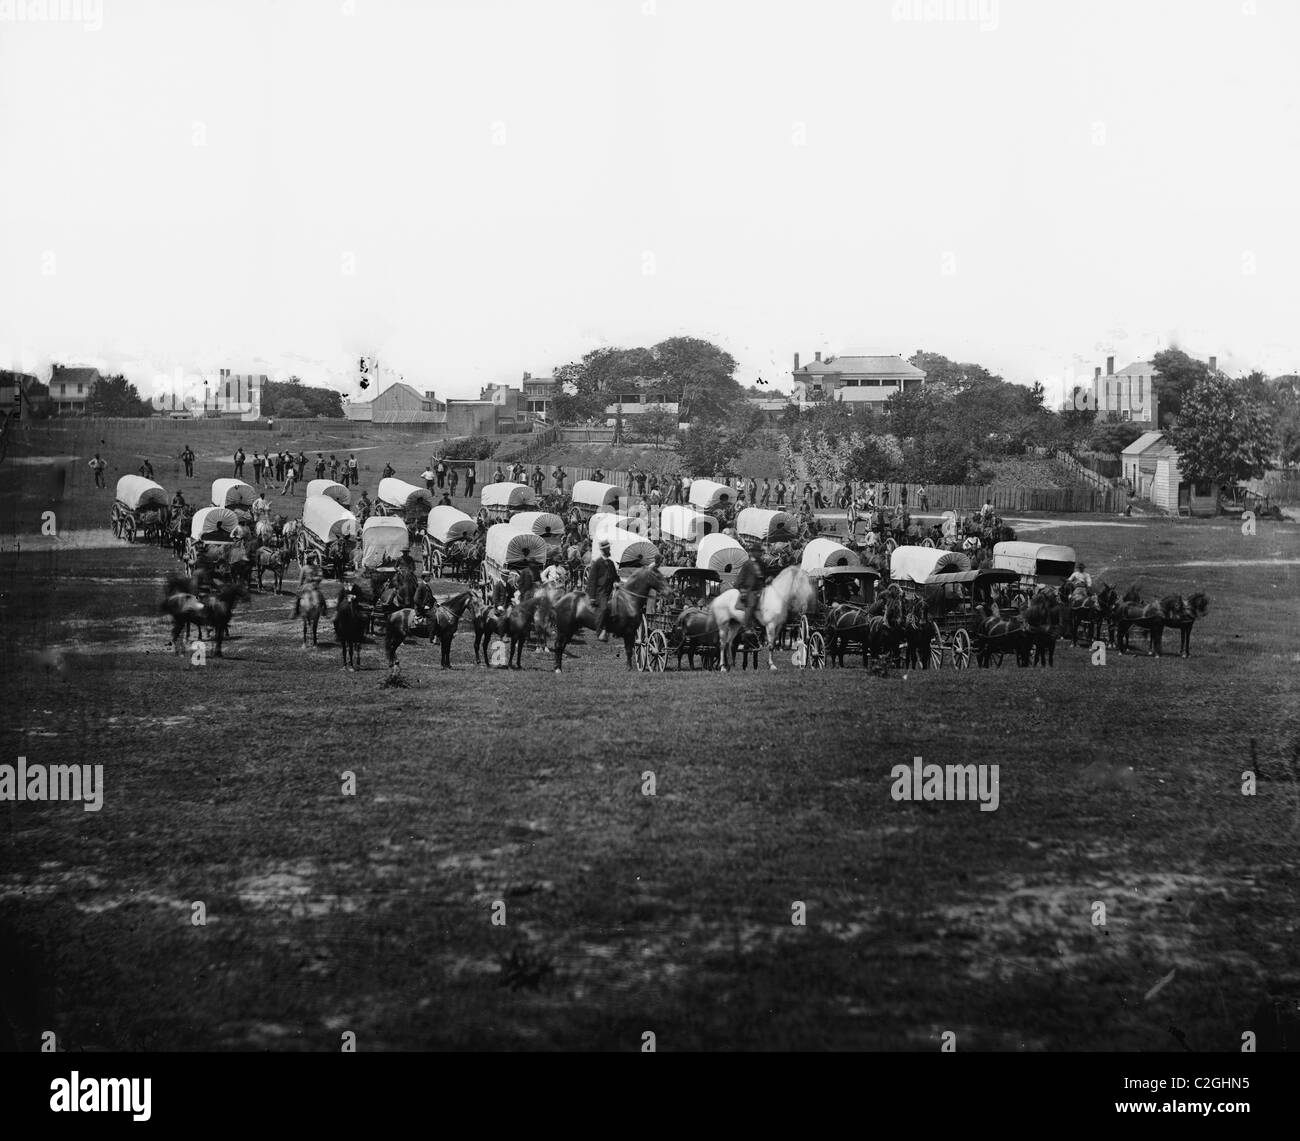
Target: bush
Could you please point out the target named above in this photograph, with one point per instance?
(469, 448)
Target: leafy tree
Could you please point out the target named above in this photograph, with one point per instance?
(317, 401)
(657, 426)
(116, 396)
(291, 408)
(1176, 374)
(1286, 411)
(700, 373)
(944, 373)
(1222, 433)
(1114, 436)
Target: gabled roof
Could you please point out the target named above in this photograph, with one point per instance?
(76, 375)
(1137, 368)
(1142, 443)
(862, 366)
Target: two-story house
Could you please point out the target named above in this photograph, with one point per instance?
(869, 380)
(70, 388)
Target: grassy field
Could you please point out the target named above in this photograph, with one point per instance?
(372, 912)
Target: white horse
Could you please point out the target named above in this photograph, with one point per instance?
(787, 596)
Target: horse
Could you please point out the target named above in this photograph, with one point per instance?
(918, 634)
(694, 629)
(884, 634)
(1042, 619)
(349, 627)
(1149, 616)
(217, 610)
(443, 621)
(999, 633)
(277, 562)
(309, 606)
(517, 623)
(487, 623)
(1181, 613)
(790, 594)
(622, 615)
(845, 624)
(1085, 612)
(185, 610)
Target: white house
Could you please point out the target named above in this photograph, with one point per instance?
(1150, 464)
(855, 380)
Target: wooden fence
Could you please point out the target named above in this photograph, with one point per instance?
(1084, 473)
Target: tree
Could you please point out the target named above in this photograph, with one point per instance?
(1114, 436)
(700, 374)
(657, 426)
(317, 401)
(291, 408)
(116, 396)
(1176, 374)
(943, 373)
(1222, 433)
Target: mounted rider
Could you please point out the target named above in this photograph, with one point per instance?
(424, 602)
(601, 580)
(749, 581)
(1080, 578)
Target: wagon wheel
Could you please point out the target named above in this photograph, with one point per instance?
(658, 651)
(890, 546)
(642, 656)
(428, 553)
(936, 647)
(434, 562)
(927, 542)
(485, 583)
(961, 649)
(128, 528)
(805, 629)
(817, 651)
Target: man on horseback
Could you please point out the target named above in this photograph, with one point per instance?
(262, 507)
(749, 581)
(424, 601)
(600, 587)
(1080, 577)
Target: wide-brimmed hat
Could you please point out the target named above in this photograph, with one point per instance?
(604, 544)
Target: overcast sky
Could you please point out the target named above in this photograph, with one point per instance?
(471, 190)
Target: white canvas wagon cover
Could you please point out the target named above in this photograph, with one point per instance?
(447, 524)
(629, 550)
(383, 539)
(600, 525)
(919, 564)
(765, 526)
(507, 495)
(589, 493)
(327, 519)
(706, 495)
(207, 518)
(543, 523)
(232, 493)
(508, 546)
(331, 487)
(399, 493)
(720, 553)
(822, 553)
(1045, 562)
(676, 522)
(135, 491)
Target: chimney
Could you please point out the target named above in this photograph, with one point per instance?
(528, 376)
(818, 357)
(1214, 364)
(1110, 366)
(796, 362)
(1096, 375)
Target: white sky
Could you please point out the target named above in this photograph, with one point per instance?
(1108, 177)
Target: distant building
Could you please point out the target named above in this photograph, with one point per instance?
(1150, 464)
(20, 392)
(70, 389)
(772, 407)
(399, 403)
(539, 392)
(1130, 394)
(855, 379)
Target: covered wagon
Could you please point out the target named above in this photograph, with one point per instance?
(685, 524)
(822, 553)
(444, 529)
(139, 506)
(509, 549)
(325, 523)
(711, 497)
(502, 501)
(235, 494)
(331, 488)
(720, 553)
(543, 523)
(1037, 564)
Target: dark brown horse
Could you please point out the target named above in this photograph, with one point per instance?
(885, 634)
(273, 561)
(349, 627)
(1181, 613)
(846, 625)
(217, 610)
(443, 621)
(919, 633)
(622, 617)
(1148, 616)
(1042, 619)
(309, 606)
(695, 630)
(1000, 632)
